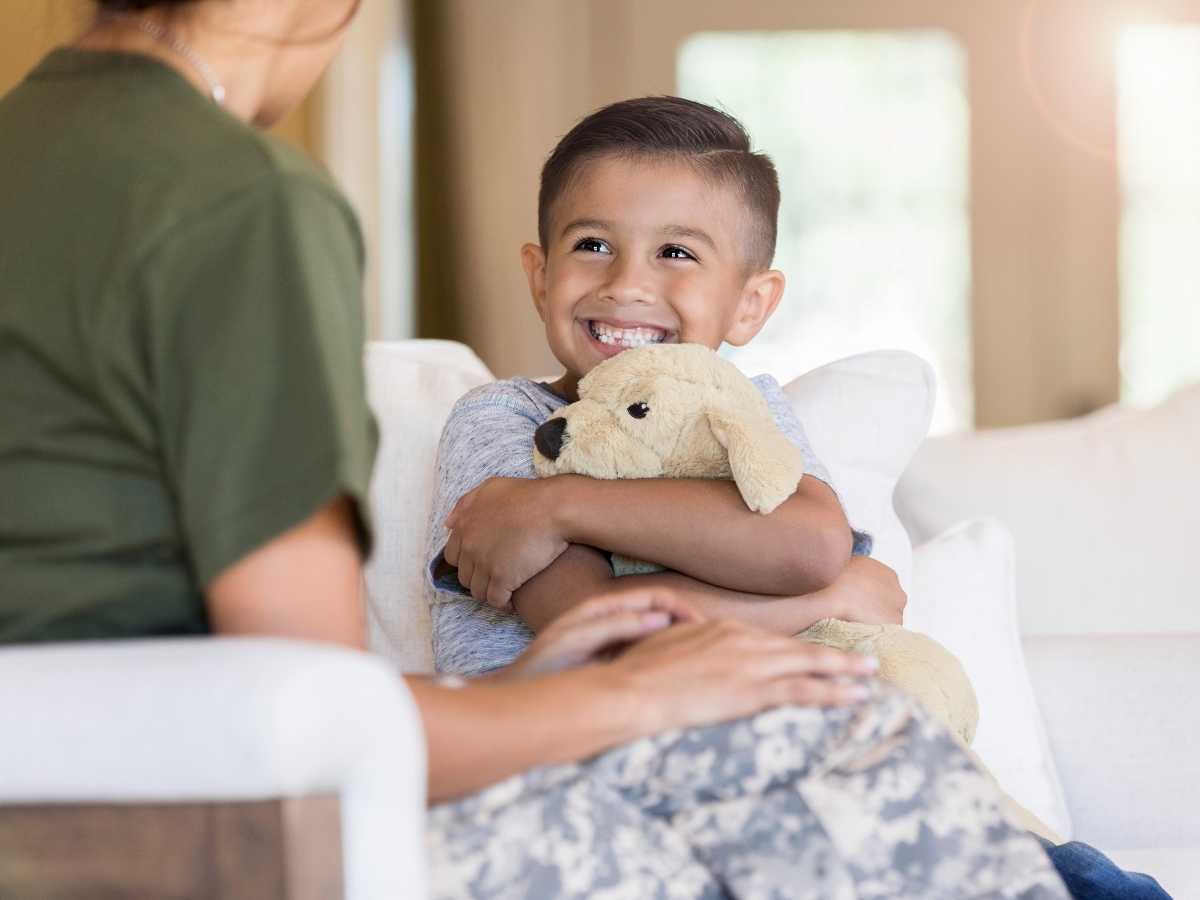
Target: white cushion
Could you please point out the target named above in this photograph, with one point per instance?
(200, 719)
(962, 596)
(1123, 716)
(411, 385)
(865, 416)
(1105, 511)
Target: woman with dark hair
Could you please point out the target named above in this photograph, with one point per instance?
(186, 448)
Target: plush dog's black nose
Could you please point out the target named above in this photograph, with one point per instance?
(549, 437)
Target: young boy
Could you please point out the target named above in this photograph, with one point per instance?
(656, 223)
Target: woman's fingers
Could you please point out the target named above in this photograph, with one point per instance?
(818, 660)
(696, 674)
(574, 640)
(637, 599)
(590, 636)
(806, 690)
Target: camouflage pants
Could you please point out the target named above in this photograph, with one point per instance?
(871, 802)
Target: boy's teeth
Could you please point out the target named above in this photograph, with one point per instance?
(626, 337)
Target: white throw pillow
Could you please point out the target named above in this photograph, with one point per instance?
(963, 596)
(412, 386)
(1105, 511)
(865, 417)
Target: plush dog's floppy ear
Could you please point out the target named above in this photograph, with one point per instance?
(766, 466)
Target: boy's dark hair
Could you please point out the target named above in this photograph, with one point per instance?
(711, 140)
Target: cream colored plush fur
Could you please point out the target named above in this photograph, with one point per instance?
(680, 411)
(703, 419)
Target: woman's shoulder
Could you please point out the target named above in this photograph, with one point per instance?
(147, 142)
(256, 167)
(291, 169)
(242, 182)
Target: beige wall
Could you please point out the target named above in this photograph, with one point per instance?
(29, 28)
(510, 77)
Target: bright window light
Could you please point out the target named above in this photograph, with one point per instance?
(869, 131)
(1158, 114)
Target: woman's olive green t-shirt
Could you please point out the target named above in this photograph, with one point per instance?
(180, 348)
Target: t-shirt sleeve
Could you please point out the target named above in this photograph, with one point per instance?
(256, 333)
(487, 435)
(789, 423)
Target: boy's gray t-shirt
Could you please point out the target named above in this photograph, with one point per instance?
(489, 434)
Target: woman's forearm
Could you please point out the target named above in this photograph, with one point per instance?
(703, 528)
(491, 729)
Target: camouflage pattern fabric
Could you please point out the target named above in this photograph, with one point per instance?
(876, 801)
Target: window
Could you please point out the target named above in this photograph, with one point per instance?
(1158, 115)
(869, 131)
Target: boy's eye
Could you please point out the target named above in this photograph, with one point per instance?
(672, 251)
(638, 410)
(592, 245)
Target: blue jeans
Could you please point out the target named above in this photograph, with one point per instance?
(1090, 875)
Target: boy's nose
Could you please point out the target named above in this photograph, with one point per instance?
(628, 283)
(549, 437)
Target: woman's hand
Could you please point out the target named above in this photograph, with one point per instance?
(699, 673)
(867, 591)
(501, 535)
(559, 702)
(598, 628)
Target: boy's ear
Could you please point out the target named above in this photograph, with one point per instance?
(759, 299)
(533, 261)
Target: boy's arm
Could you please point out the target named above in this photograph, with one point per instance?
(866, 591)
(701, 528)
(487, 438)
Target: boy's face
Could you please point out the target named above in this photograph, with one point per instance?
(645, 251)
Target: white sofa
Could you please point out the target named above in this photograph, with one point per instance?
(250, 719)
(225, 721)
(1105, 514)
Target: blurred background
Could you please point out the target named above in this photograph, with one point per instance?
(1010, 188)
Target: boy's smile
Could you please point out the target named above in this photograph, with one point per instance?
(645, 251)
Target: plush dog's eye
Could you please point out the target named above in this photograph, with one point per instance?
(638, 410)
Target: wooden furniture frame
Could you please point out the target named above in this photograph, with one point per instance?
(283, 849)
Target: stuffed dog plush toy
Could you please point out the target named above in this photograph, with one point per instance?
(680, 411)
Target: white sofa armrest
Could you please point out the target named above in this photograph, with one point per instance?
(1123, 718)
(188, 720)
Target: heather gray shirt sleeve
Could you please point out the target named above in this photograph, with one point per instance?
(489, 434)
(785, 417)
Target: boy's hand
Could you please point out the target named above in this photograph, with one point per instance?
(502, 534)
(869, 592)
